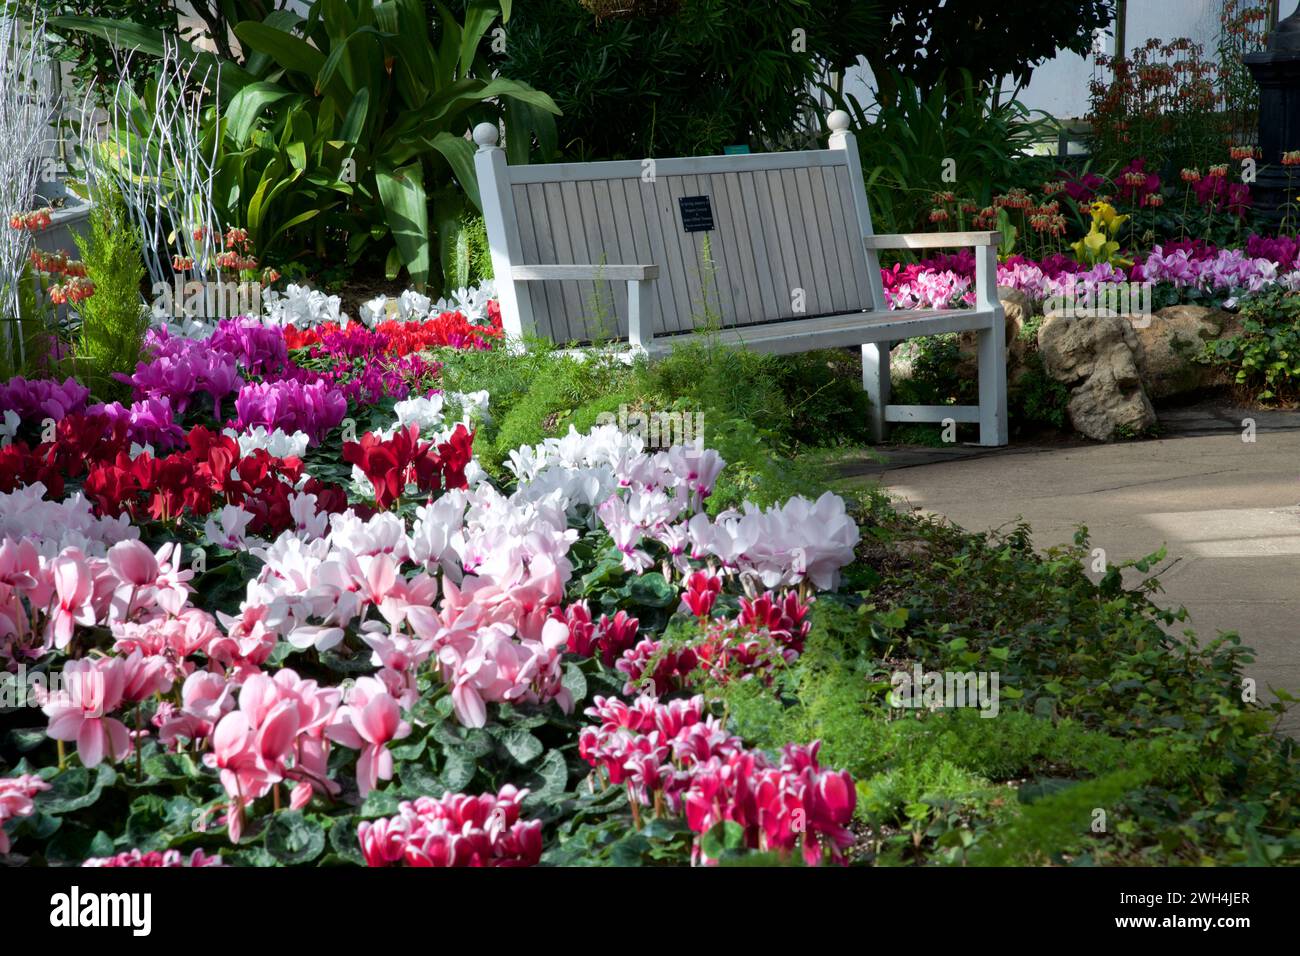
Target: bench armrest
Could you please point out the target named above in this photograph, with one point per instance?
(931, 240)
(640, 304)
(569, 273)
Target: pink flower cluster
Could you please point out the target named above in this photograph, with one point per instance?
(1223, 270)
(672, 756)
(16, 795)
(454, 830)
(278, 733)
(155, 858)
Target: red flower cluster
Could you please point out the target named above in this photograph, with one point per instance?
(163, 488)
(674, 756)
(30, 221)
(454, 830)
(193, 479)
(76, 289)
(448, 330)
(56, 263)
(796, 805)
(390, 465)
(608, 637)
(768, 630)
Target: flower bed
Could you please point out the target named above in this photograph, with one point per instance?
(1182, 270)
(265, 628)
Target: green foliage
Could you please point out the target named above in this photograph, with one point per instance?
(1036, 397)
(990, 41)
(710, 74)
(351, 119)
(758, 410)
(1264, 357)
(26, 339)
(1099, 709)
(113, 320)
(909, 142)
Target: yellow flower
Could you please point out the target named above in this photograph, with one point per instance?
(1104, 214)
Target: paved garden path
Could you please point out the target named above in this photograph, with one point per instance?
(1228, 509)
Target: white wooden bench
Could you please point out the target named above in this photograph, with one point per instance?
(794, 263)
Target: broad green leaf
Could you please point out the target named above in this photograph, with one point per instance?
(293, 838)
(459, 154)
(288, 51)
(402, 192)
(458, 770)
(521, 745)
(247, 105)
(75, 789)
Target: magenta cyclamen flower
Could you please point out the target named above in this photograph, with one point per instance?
(37, 399)
(149, 422)
(178, 377)
(315, 408)
(155, 858)
(258, 349)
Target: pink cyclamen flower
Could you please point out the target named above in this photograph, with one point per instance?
(16, 795)
(369, 720)
(91, 690)
(74, 586)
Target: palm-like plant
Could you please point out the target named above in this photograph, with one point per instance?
(352, 120)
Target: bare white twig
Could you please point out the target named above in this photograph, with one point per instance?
(151, 151)
(27, 112)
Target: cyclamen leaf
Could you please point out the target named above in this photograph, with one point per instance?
(521, 745)
(293, 838)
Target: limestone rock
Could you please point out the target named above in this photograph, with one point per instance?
(1168, 346)
(1096, 358)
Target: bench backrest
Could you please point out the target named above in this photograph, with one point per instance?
(783, 231)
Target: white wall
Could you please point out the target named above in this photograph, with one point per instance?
(1060, 85)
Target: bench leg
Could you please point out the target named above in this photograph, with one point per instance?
(875, 382)
(993, 383)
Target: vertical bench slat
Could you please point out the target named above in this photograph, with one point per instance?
(676, 264)
(602, 319)
(690, 247)
(640, 198)
(815, 301)
(769, 302)
(775, 259)
(535, 230)
(725, 244)
(585, 289)
(616, 240)
(753, 283)
(859, 259)
(807, 211)
(838, 231)
(829, 241)
(557, 229)
(779, 211)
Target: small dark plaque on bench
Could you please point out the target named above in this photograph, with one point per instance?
(697, 213)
